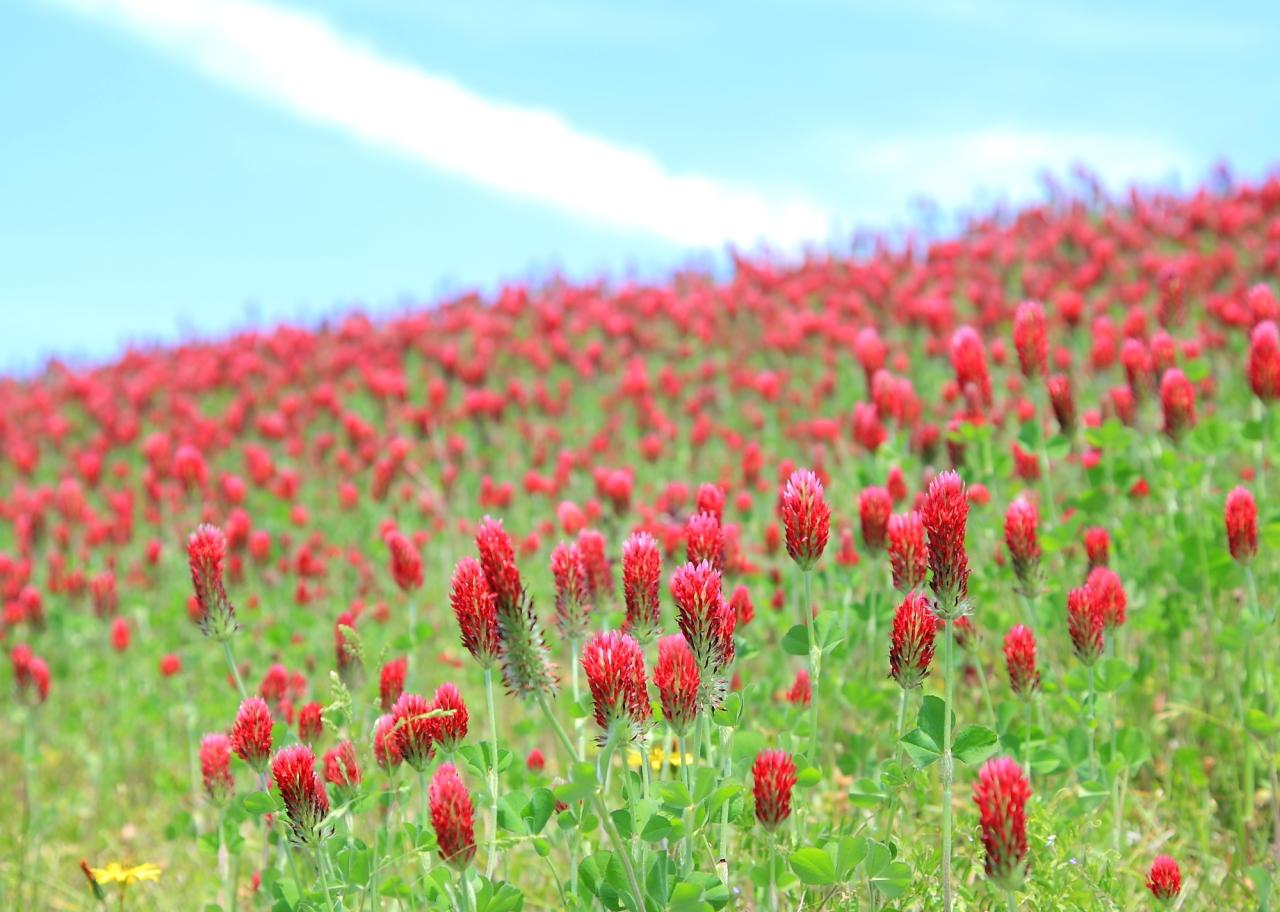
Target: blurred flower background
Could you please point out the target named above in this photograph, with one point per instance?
(172, 167)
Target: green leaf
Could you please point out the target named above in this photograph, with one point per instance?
(866, 794)
(893, 881)
(808, 777)
(920, 747)
(541, 804)
(974, 743)
(1111, 674)
(930, 719)
(813, 866)
(259, 803)
(796, 641)
(581, 784)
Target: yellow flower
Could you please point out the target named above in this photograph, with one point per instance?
(657, 757)
(118, 873)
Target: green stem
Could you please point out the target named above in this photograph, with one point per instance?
(235, 672)
(986, 693)
(726, 737)
(773, 882)
(894, 801)
(1093, 761)
(30, 853)
(948, 666)
(815, 671)
(1012, 903)
(322, 866)
(492, 862)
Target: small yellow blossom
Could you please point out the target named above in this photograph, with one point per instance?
(657, 757)
(118, 873)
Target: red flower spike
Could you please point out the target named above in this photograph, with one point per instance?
(945, 512)
(341, 769)
(310, 723)
(1030, 338)
(386, 750)
(705, 618)
(1020, 659)
(391, 682)
(704, 540)
(406, 562)
(535, 762)
(452, 817)
(416, 730)
(476, 609)
(614, 666)
(1097, 546)
(801, 692)
(306, 803)
(498, 560)
(526, 663)
(452, 729)
(215, 767)
(677, 680)
(641, 581)
(1164, 880)
(806, 517)
(1001, 794)
(1178, 402)
(594, 551)
(1108, 594)
(1085, 625)
(1021, 537)
(908, 553)
(1264, 361)
(573, 597)
(774, 777)
(874, 507)
(251, 733)
(206, 550)
(912, 641)
(1241, 518)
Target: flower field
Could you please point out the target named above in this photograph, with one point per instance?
(937, 576)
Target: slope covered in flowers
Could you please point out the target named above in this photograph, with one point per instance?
(1098, 374)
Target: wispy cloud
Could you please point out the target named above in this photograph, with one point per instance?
(301, 63)
(955, 167)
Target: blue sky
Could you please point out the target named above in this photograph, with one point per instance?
(171, 167)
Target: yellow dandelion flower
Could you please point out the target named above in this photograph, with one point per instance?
(657, 757)
(118, 873)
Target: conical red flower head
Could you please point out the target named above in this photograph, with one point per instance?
(801, 692)
(476, 609)
(1084, 624)
(1178, 401)
(30, 675)
(945, 512)
(676, 677)
(1021, 537)
(911, 641)
(807, 518)
(306, 804)
(874, 508)
(251, 733)
(386, 750)
(1030, 338)
(704, 617)
(498, 560)
(573, 599)
(774, 778)
(1097, 546)
(452, 729)
(1108, 595)
(908, 554)
(1001, 794)
(1241, 517)
(406, 562)
(341, 769)
(594, 550)
(310, 723)
(1264, 361)
(870, 351)
(704, 540)
(641, 582)
(614, 666)
(1063, 401)
(969, 361)
(1164, 879)
(452, 817)
(416, 729)
(215, 767)
(206, 550)
(391, 682)
(1020, 659)
(710, 499)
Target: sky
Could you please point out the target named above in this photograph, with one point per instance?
(171, 168)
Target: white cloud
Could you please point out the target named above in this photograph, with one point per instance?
(301, 63)
(954, 167)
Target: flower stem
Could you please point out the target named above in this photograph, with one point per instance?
(773, 881)
(1093, 757)
(235, 672)
(492, 862)
(815, 671)
(1012, 903)
(948, 667)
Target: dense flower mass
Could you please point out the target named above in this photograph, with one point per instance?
(1241, 518)
(306, 803)
(614, 666)
(908, 553)
(206, 552)
(677, 680)
(1001, 793)
(641, 582)
(1020, 660)
(1164, 879)
(945, 515)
